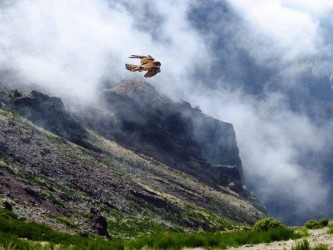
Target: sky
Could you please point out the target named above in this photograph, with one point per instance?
(71, 47)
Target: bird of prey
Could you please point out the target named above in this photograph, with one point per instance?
(148, 64)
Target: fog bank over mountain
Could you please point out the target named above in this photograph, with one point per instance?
(264, 66)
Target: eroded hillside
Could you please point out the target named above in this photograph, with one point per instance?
(140, 170)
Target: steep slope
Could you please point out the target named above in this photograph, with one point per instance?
(73, 174)
(137, 116)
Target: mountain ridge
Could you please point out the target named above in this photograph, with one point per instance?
(57, 163)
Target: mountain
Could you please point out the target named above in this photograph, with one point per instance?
(135, 161)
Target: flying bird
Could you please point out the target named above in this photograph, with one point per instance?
(148, 64)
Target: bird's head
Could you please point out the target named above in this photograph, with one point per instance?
(157, 63)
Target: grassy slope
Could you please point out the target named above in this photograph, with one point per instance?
(36, 236)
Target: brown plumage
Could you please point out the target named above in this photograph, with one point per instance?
(148, 63)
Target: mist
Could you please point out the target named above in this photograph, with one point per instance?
(288, 39)
(71, 47)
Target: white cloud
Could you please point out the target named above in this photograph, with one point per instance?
(314, 8)
(70, 45)
(284, 30)
(272, 139)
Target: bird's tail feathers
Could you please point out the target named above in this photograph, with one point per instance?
(133, 68)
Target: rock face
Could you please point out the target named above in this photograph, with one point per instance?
(217, 140)
(47, 112)
(174, 133)
(50, 113)
(139, 161)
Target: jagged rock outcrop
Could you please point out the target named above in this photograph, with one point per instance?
(50, 113)
(99, 223)
(47, 112)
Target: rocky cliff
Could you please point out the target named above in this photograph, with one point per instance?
(174, 133)
(136, 161)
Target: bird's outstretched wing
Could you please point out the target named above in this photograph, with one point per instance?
(152, 71)
(141, 57)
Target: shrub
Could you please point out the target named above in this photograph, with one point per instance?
(313, 224)
(304, 245)
(320, 247)
(330, 231)
(324, 222)
(266, 224)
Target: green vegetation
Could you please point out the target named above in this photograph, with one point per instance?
(143, 222)
(132, 228)
(314, 224)
(131, 225)
(266, 224)
(220, 240)
(5, 214)
(200, 216)
(5, 165)
(16, 234)
(57, 139)
(10, 111)
(324, 222)
(304, 245)
(65, 222)
(13, 231)
(330, 230)
(321, 247)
